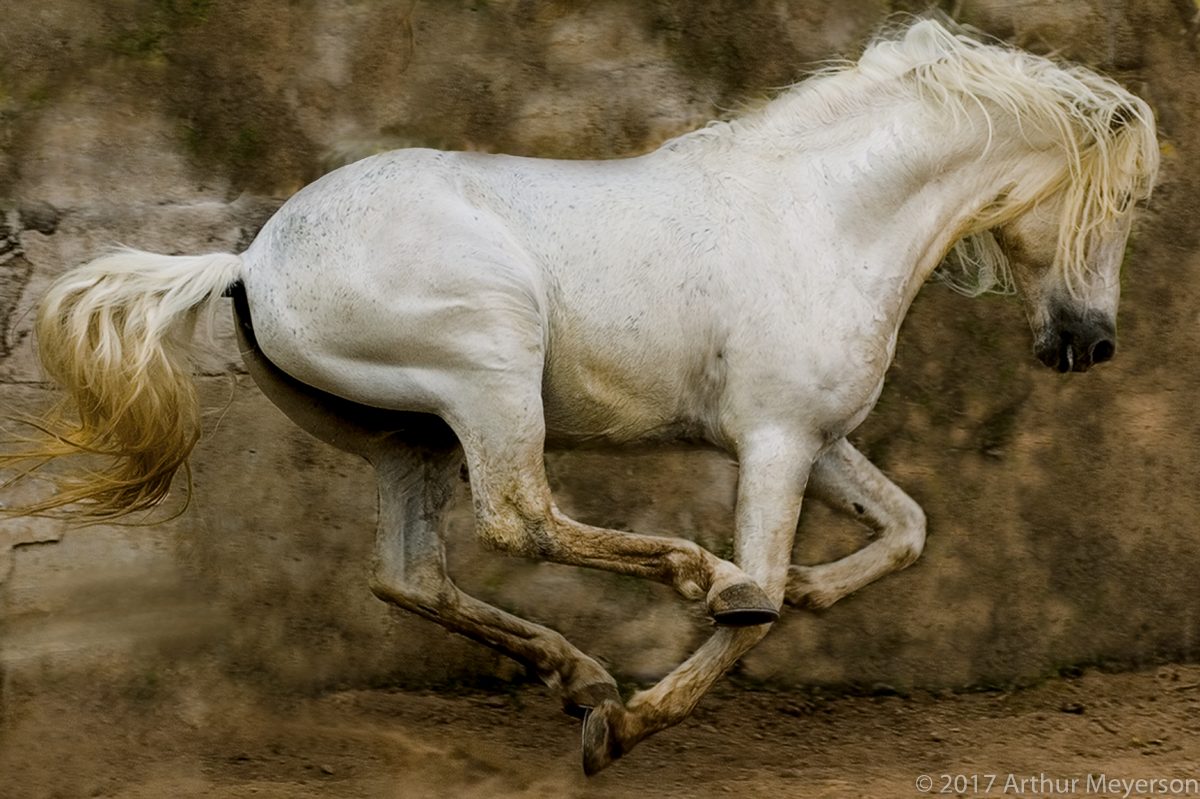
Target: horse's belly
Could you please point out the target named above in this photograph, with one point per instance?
(592, 410)
(599, 397)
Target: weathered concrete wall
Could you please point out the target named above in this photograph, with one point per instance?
(1061, 508)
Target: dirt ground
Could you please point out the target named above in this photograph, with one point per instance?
(147, 740)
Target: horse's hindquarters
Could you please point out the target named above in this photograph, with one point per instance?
(349, 426)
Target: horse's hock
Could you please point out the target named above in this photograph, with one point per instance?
(1060, 510)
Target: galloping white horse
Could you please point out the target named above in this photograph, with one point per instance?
(742, 286)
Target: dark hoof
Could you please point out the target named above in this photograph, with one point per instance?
(742, 605)
(600, 744)
(580, 702)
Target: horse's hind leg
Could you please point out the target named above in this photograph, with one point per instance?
(415, 487)
(502, 431)
(847, 481)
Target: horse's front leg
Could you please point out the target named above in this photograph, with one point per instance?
(502, 428)
(773, 467)
(844, 479)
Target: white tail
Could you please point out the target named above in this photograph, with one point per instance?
(116, 334)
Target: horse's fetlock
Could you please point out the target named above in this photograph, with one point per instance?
(687, 576)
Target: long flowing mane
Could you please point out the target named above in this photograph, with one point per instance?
(1106, 134)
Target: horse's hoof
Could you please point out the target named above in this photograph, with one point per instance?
(600, 744)
(581, 702)
(742, 605)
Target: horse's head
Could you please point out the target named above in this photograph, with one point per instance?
(1067, 154)
(1064, 238)
(1073, 313)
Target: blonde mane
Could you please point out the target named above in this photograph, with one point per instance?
(1105, 133)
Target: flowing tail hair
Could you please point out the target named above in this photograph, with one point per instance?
(116, 335)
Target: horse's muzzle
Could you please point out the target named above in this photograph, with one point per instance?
(1073, 343)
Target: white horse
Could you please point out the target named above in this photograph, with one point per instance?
(742, 286)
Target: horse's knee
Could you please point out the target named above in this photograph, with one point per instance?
(515, 531)
(906, 554)
(909, 538)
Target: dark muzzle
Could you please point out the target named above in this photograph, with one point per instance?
(1075, 343)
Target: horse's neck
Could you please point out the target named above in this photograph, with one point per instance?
(902, 183)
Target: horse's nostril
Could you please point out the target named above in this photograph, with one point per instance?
(1103, 350)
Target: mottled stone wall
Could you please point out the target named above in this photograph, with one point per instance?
(1062, 509)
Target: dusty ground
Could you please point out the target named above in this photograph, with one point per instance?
(146, 739)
